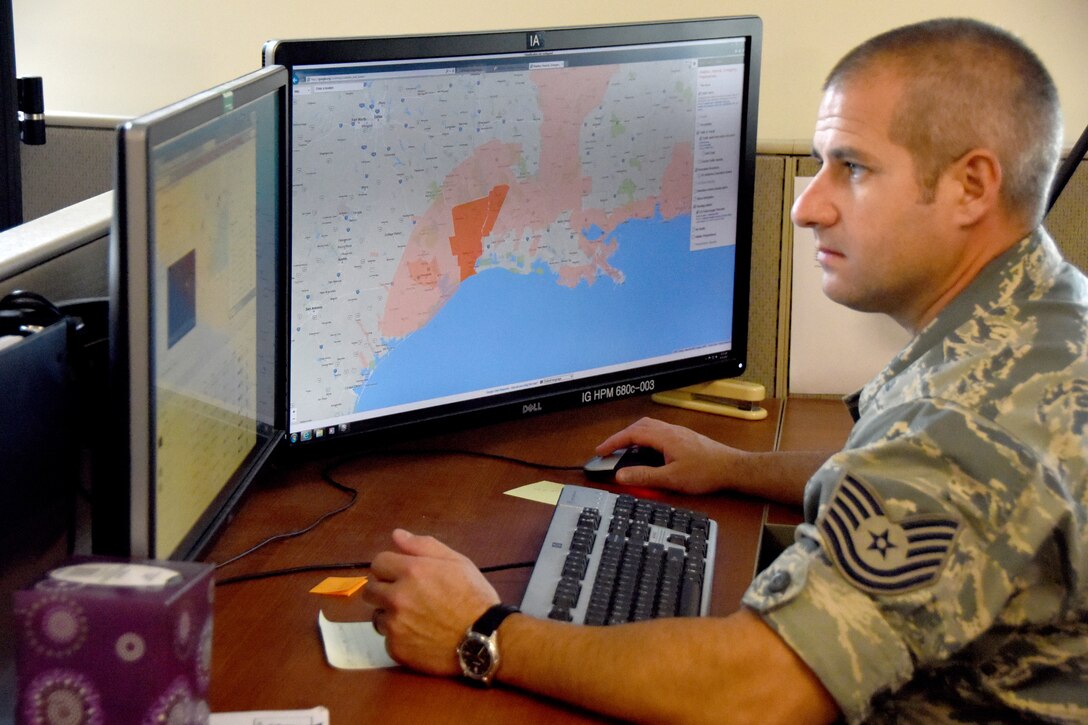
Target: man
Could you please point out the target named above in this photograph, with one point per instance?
(942, 574)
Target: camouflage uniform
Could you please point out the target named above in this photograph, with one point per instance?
(942, 572)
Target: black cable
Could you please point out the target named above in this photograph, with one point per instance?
(471, 454)
(353, 494)
(343, 565)
(326, 476)
(290, 570)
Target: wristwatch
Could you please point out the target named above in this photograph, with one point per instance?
(478, 652)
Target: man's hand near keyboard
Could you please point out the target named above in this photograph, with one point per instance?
(667, 670)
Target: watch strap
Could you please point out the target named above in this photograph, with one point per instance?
(490, 620)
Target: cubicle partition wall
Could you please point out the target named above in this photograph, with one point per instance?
(1068, 219)
(77, 164)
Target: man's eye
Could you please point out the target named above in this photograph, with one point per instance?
(852, 168)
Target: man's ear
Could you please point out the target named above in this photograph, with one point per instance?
(976, 178)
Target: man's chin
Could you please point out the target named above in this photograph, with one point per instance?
(853, 302)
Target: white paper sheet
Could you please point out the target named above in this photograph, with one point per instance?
(313, 716)
(353, 645)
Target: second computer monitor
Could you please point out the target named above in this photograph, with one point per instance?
(195, 324)
(506, 223)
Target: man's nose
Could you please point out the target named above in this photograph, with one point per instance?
(813, 208)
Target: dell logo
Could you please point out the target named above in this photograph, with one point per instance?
(532, 408)
(534, 40)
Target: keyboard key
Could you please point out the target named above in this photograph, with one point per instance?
(561, 614)
(575, 565)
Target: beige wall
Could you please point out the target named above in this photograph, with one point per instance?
(125, 57)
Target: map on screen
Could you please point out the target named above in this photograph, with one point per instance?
(456, 224)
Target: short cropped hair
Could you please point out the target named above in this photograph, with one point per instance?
(969, 85)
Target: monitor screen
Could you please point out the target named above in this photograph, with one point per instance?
(506, 223)
(196, 283)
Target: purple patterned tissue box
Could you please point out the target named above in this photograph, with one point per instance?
(112, 641)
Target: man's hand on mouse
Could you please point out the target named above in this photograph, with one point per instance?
(694, 463)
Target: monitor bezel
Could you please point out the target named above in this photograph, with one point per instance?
(380, 431)
(123, 506)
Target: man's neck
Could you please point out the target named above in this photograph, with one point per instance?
(987, 241)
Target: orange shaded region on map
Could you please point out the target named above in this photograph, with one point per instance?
(472, 221)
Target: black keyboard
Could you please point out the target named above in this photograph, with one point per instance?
(610, 558)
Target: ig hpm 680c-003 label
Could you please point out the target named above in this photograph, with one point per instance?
(621, 390)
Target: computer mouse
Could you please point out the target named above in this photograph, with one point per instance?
(600, 468)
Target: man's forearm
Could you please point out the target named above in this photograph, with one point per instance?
(676, 670)
(778, 476)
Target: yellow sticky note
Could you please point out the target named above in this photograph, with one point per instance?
(542, 491)
(340, 586)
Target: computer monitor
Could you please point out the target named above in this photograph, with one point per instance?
(11, 200)
(507, 223)
(196, 282)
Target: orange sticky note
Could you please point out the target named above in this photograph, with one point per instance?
(340, 586)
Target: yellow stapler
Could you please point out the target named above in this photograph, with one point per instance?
(736, 398)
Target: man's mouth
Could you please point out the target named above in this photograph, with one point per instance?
(826, 254)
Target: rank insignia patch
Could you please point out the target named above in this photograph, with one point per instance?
(879, 555)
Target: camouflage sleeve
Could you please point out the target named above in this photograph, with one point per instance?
(837, 630)
(927, 533)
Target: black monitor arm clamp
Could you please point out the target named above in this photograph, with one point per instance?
(31, 111)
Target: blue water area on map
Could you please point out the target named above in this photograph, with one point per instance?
(503, 327)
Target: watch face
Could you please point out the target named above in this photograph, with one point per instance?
(477, 655)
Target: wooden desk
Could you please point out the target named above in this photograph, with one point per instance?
(267, 652)
(814, 424)
(809, 424)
